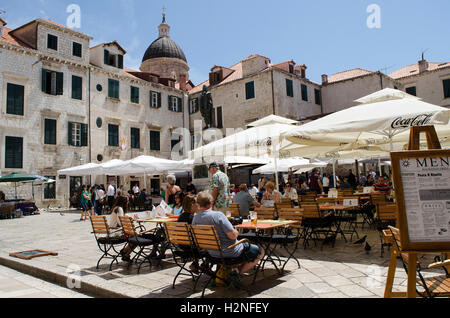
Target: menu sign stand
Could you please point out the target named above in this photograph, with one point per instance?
(422, 188)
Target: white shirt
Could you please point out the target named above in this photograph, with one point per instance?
(100, 194)
(136, 189)
(253, 192)
(326, 182)
(291, 194)
(111, 191)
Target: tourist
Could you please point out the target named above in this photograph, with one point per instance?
(346, 184)
(219, 185)
(110, 193)
(85, 198)
(291, 193)
(352, 179)
(178, 206)
(232, 192)
(100, 196)
(362, 180)
(381, 187)
(253, 191)
(314, 182)
(171, 190)
(325, 183)
(227, 236)
(120, 208)
(262, 183)
(370, 181)
(94, 199)
(245, 201)
(271, 196)
(136, 190)
(190, 188)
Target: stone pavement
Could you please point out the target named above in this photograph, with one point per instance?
(344, 271)
(14, 284)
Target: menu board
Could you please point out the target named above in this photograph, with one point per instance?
(422, 187)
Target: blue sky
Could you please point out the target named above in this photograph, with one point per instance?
(328, 36)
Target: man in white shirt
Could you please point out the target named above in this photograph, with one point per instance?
(110, 194)
(136, 190)
(253, 191)
(99, 196)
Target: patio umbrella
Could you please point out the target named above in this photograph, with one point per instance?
(39, 181)
(83, 170)
(384, 118)
(15, 178)
(284, 165)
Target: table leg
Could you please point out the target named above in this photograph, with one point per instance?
(412, 268)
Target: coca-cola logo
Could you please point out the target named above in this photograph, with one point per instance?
(419, 120)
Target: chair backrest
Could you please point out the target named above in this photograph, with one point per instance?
(377, 198)
(310, 211)
(128, 225)
(387, 212)
(99, 225)
(286, 201)
(265, 213)
(291, 214)
(345, 192)
(206, 237)
(327, 201)
(279, 206)
(235, 210)
(308, 198)
(178, 233)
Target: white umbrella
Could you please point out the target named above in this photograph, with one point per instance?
(147, 165)
(272, 119)
(384, 115)
(84, 170)
(284, 165)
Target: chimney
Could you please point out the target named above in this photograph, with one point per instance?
(2, 27)
(423, 66)
(303, 69)
(324, 79)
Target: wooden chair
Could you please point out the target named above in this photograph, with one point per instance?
(206, 238)
(235, 210)
(345, 193)
(265, 213)
(137, 239)
(327, 201)
(437, 286)
(386, 215)
(180, 242)
(308, 198)
(105, 241)
(314, 223)
(286, 201)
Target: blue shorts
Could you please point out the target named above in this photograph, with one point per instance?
(85, 206)
(251, 252)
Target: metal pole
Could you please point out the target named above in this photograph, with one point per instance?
(334, 173)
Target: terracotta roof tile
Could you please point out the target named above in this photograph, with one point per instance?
(349, 74)
(8, 38)
(413, 69)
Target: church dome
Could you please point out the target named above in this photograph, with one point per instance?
(164, 47)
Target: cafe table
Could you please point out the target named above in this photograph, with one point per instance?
(262, 227)
(338, 210)
(160, 223)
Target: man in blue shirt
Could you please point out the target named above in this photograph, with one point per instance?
(245, 201)
(227, 235)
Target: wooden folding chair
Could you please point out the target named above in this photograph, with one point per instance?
(265, 213)
(181, 243)
(314, 223)
(327, 201)
(206, 238)
(137, 239)
(235, 210)
(437, 286)
(385, 216)
(105, 241)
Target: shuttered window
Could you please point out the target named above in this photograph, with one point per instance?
(446, 84)
(134, 91)
(52, 82)
(113, 135)
(155, 139)
(113, 88)
(304, 92)
(120, 61)
(135, 138)
(155, 99)
(193, 106)
(14, 99)
(289, 88)
(77, 87)
(77, 49)
(318, 96)
(250, 90)
(219, 117)
(52, 42)
(175, 104)
(50, 132)
(13, 152)
(78, 134)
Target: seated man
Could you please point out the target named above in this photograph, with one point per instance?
(245, 201)
(346, 184)
(382, 186)
(227, 235)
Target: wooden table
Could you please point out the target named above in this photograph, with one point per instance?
(340, 208)
(160, 222)
(262, 226)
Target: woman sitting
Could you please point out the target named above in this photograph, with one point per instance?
(178, 207)
(120, 208)
(291, 193)
(271, 196)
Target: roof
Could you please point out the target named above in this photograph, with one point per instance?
(3, 21)
(55, 24)
(236, 74)
(349, 74)
(412, 70)
(164, 47)
(10, 39)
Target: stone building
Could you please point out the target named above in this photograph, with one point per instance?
(66, 104)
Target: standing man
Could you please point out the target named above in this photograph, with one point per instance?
(110, 192)
(352, 179)
(219, 186)
(315, 185)
(136, 190)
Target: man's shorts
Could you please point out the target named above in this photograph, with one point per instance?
(251, 251)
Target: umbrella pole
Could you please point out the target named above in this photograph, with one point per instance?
(379, 166)
(334, 173)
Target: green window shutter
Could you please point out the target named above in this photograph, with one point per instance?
(304, 92)
(113, 135)
(44, 80)
(59, 83)
(219, 117)
(14, 99)
(77, 49)
(50, 132)
(180, 105)
(134, 92)
(155, 137)
(159, 100)
(13, 152)
(84, 135)
(169, 102)
(120, 61)
(250, 90)
(135, 138)
(116, 89)
(289, 88)
(110, 88)
(318, 96)
(113, 88)
(446, 85)
(52, 42)
(77, 87)
(70, 141)
(106, 57)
